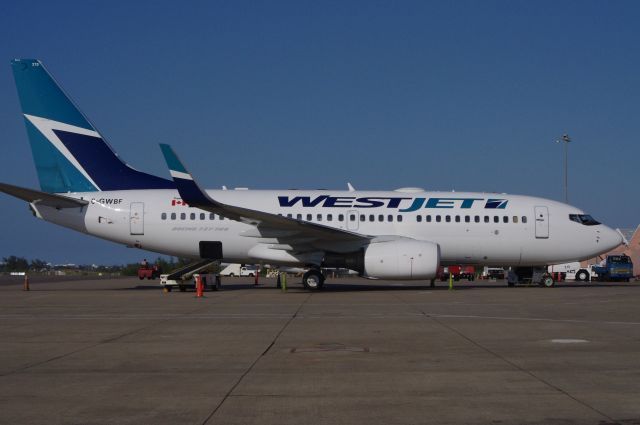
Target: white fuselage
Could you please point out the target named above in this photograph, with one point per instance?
(470, 228)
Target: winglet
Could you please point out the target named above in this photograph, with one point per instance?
(189, 190)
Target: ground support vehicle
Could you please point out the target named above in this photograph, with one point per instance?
(233, 270)
(458, 272)
(183, 278)
(210, 281)
(148, 272)
(615, 268)
(493, 273)
(536, 275)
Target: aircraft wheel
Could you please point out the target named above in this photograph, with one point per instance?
(313, 280)
(547, 281)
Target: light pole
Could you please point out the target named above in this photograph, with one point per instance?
(565, 138)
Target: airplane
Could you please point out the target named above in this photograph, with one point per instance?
(404, 234)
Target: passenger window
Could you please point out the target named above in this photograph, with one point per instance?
(505, 219)
(220, 217)
(309, 217)
(202, 216)
(389, 217)
(515, 219)
(299, 216)
(173, 216)
(319, 217)
(329, 217)
(372, 217)
(183, 216)
(476, 219)
(192, 216)
(428, 219)
(340, 217)
(524, 218)
(496, 219)
(381, 217)
(438, 218)
(212, 216)
(399, 218)
(448, 219)
(163, 216)
(352, 217)
(289, 216)
(418, 218)
(457, 219)
(467, 219)
(486, 218)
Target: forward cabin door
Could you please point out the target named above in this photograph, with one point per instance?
(136, 218)
(542, 222)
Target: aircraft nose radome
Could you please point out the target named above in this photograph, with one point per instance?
(612, 238)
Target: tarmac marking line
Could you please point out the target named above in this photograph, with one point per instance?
(250, 368)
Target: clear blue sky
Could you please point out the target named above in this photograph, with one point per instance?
(465, 95)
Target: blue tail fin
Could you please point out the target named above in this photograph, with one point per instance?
(70, 155)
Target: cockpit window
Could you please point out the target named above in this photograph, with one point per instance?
(585, 219)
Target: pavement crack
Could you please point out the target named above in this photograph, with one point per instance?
(516, 366)
(103, 341)
(436, 317)
(255, 362)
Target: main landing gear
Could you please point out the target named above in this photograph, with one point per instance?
(313, 279)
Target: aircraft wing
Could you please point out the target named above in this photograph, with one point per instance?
(270, 225)
(42, 198)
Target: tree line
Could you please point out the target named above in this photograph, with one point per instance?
(14, 263)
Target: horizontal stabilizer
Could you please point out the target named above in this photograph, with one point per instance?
(42, 198)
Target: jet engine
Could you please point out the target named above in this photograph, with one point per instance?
(402, 259)
(396, 259)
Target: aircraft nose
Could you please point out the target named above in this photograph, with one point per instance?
(610, 238)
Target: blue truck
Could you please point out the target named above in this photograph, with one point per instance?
(616, 268)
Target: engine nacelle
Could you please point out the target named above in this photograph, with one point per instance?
(402, 259)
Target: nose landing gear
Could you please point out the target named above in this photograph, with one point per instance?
(313, 279)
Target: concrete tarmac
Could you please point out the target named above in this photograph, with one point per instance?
(123, 352)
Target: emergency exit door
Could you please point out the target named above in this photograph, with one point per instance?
(542, 222)
(136, 218)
